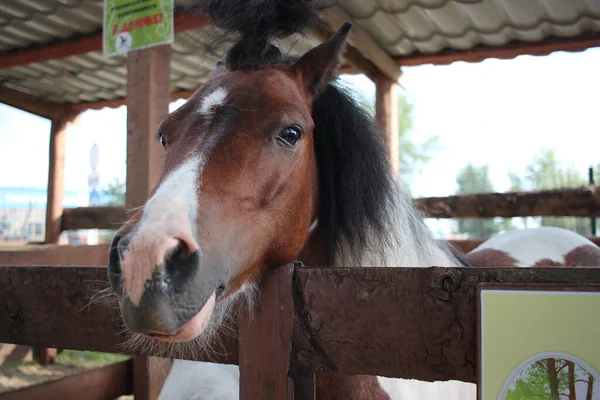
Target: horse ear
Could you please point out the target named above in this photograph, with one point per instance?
(318, 66)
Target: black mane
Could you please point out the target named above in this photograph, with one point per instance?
(355, 176)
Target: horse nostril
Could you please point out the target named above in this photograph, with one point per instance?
(118, 244)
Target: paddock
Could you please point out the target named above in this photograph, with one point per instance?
(51, 65)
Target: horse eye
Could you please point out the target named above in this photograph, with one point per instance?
(290, 136)
(163, 139)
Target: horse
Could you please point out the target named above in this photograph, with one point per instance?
(272, 160)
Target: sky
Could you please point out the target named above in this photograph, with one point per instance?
(499, 112)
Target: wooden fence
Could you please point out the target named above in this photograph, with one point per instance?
(305, 324)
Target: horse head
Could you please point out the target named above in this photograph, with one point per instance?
(237, 196)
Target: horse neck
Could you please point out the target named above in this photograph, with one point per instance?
(407, 241)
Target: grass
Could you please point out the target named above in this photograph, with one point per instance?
(89, 358)
(77, 358)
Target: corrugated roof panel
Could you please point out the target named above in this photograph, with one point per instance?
(401, 27)
(404, 27)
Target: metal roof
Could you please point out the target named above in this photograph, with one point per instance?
(405, 27)
(401, 27)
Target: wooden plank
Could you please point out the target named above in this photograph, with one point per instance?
(414, 322)
(73, 308)
(85, 44)
(29, 103)
(55, 255)
(266, 340)
(507, 51)
(361, 40)
(386, 114)
(577, 202)
(104, 383)
(92, 218)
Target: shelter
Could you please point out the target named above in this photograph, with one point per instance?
(51, 65)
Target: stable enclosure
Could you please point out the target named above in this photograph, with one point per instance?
(47, 289)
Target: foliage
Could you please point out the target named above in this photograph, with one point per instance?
(413, 154)
(550, 378)
(470, 180)
(115, 190)
(547, 172)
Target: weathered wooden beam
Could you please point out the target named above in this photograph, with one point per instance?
(92, 218)
(104, 383)
(507, 51)
(55, 255)
(29, 103)
(361, 40)
(85, 44)
(266, 340)
(414, 322)
(386, 114)
(575, 202)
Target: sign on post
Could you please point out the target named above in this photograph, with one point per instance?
(136, 24)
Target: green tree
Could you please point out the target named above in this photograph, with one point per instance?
(414, 155)
(547, 172)
(115, 190)
(471, 180)
(552, 379)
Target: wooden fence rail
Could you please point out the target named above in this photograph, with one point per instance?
(577, 202)
(415, 323)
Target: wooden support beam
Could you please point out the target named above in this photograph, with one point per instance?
(56, 177)
(575, 202)
(85, 44)
(92, 218)
(104, 383)
(148, 89)
(29, 103)
(386, 114)
(432, 310)
(361, 40)
(55, 255)
(266, 340)
(507, 51)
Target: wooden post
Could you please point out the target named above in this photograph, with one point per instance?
(265, 340)
(54, 200)
(386, 114)
(56, 178)
(148, 97)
